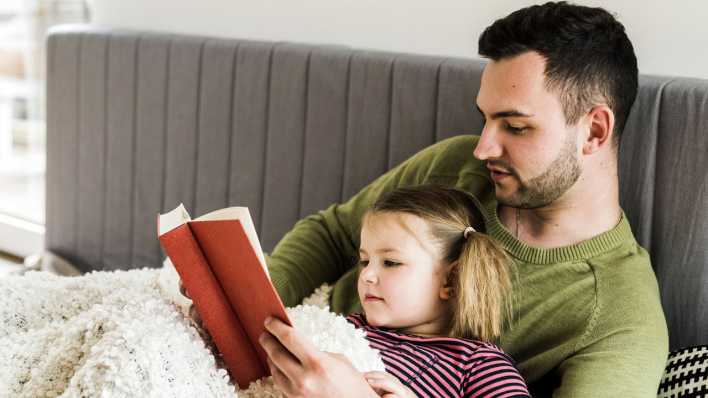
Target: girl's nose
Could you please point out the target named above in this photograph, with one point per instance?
(368, 274)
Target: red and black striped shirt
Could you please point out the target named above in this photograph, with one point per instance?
(445, 366)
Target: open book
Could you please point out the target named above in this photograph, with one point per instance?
(221, 265)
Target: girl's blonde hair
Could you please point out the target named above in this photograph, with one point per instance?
(481, 280)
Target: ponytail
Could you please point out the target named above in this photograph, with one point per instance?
(482, 287)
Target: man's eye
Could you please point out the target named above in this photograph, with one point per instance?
(514, 130)
(389, 263)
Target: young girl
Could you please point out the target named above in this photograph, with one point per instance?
(434, 292)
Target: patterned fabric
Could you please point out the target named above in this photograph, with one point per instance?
(686, 373)
(445, 366)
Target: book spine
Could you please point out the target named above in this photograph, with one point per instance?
(213, 306)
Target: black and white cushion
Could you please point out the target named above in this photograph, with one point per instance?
(686, 373)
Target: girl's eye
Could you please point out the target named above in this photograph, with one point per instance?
(389, 263)
(363, 263)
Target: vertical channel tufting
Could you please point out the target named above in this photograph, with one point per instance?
(413, 108)
(303, 148)
(104, 151)
(457, 97)
(163, 149)
(436, 107)
(267, 135)
(230, 128)
(134, 131)
(265, 147)
(345, 126)
(656, 231)
(182, 98)
(61, 130)
(195, 146)
(285, 137)
(637, 159)
(370, 75)
(322, 173)
(150, 109)
(250, 123)
(680, 217)
(75, 151)
(119, 154)
(50, 191)
(214, 124)
(91, 157)
(151, 85)
(389, 128)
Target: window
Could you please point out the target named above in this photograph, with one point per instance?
(23, 28)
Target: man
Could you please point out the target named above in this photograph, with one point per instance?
(588, 320)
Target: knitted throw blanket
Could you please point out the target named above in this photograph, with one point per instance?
(125, 334)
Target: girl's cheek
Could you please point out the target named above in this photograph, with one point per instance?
(359, 285)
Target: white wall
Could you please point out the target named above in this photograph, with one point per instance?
(670, 37)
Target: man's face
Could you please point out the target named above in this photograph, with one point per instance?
(533, 156)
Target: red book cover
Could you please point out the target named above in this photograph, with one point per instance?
(225, 276)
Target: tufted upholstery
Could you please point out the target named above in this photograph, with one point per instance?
(139, 122)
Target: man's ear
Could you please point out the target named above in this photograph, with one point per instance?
(447, 291)
(601, 122)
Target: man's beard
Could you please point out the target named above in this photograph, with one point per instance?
(544, 189)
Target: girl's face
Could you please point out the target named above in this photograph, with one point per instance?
(402, 279)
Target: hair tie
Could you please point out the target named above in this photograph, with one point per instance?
(467, 231)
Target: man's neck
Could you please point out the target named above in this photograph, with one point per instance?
(574, 218)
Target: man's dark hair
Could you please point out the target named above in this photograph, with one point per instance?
(589, 58)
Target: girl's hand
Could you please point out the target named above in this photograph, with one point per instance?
(388, 386)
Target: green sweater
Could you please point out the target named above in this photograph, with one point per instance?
(588, 320)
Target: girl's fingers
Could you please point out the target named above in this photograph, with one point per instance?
(375, 374)
(386, 385)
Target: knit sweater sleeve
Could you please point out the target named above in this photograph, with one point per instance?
(624, 351)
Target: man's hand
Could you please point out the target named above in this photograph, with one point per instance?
(388, 386)
(301, 370)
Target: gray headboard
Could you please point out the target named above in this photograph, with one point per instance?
(138, 122)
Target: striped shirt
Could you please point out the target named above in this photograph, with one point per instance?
(445, 366)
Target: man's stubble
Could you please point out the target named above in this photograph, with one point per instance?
(551, 184)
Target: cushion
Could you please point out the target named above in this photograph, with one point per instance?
(686, 373)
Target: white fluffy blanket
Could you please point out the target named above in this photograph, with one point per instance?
(124, 334)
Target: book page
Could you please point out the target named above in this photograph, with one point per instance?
(242, 214)
(171, 220)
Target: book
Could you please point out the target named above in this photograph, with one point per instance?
(219, 259)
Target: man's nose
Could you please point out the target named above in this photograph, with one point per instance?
(488, 146)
